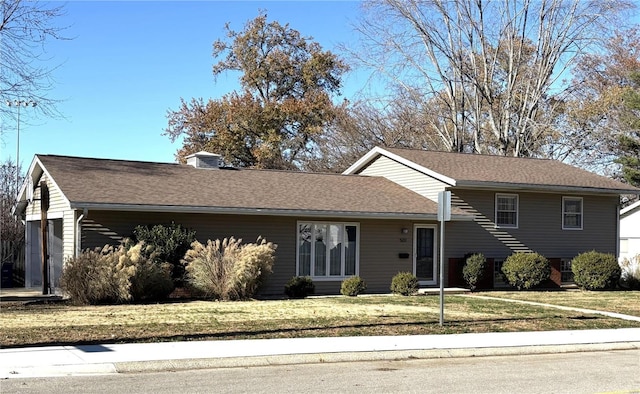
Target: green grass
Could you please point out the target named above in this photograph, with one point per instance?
(47, 324)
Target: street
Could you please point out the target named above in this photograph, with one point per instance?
(589, 372)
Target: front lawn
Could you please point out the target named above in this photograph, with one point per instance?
(48, 324)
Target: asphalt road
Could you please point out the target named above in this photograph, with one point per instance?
(589, 372)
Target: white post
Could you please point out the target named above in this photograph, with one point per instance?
(444, 215)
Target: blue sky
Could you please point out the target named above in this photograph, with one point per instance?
(130, 62)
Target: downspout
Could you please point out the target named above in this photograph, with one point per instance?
(79, 232)
(618, 231)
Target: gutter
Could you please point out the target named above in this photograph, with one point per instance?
(264, 211)
(541, 188)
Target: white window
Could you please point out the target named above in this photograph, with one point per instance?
(327, 250)
(572, 213)
(507, 210)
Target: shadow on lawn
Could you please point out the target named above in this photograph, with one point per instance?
(390, 328)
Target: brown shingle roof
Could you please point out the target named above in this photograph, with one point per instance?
(88, 181)
(473, 169)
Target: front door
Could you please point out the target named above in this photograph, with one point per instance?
(424, 254)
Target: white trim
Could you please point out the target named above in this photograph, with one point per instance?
(495, 217)
(436, 252)
(32, 167)
(343, 233)
(564, 198)
(366, 159)
(629, 209)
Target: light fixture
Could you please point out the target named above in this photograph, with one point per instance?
(405, 231)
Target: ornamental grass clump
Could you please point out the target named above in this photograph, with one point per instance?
(526, 270)
(228, 270)
(595, 271)
(630, 272)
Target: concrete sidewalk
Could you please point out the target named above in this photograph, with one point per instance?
(122, 358)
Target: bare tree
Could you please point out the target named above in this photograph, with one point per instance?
(11, 229)
(490, 70)
(25, 70)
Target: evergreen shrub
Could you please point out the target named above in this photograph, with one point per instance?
(526, 270)
(299, 287)
(473, 269)
(404, 283)
(595, 271)
(352, 286)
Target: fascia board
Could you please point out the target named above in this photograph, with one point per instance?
(260, 211)
(630, 209)
(542, 188)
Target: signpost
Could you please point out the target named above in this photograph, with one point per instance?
(444, 215)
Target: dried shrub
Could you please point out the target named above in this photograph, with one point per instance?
(228, 270)
(115, 275)
(473, 269)
(630, 273)
(404, 283)
(526, 270)
(595, 271)
(98, 276)
(299, 287)
(352, 286)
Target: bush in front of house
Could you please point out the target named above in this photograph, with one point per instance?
(526, 270)
(473, 269)
(595, 270)
(352, 286)
(166, 244)
(404, 283)
(630, 273)
(228, 270)
(114, 275)
(299, 287)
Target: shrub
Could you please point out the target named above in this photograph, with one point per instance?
(166, 244)
(630, 272)
(595, 271)
(473, 269)
(228, 270)
(97, 277)
(299, 287)
(114, 275)
(526, 270)
(404, 283)
(352, 286)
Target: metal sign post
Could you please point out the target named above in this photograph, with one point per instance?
(444, 215)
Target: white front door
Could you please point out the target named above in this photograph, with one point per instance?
(424, 254)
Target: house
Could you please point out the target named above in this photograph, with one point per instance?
(376, 219)
(630, 231)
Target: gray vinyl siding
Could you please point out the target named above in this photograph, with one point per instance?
(405, 176)
(381, 241)
(539, 226)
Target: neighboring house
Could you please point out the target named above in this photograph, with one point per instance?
(630, 231)
(376, 219)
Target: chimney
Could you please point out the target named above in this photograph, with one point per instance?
(204, 159)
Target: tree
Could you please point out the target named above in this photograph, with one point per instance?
(11, 229)
(491, 69)
(594, 114)
(629, 143)
(283, 106)
(25, 28)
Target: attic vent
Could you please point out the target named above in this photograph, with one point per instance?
(204, 160)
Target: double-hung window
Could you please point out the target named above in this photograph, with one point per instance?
(572, 213)
(327, 250)
(507, 210)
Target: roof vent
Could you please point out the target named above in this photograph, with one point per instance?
(204, 160)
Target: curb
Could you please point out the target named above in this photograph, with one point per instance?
(393, 355)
